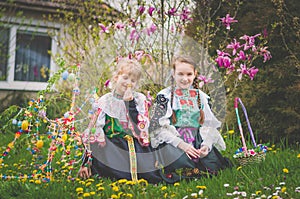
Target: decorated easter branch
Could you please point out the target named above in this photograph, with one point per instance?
(60, 135)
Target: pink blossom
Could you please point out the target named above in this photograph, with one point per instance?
(139, 54)
(243, 71)
(234, 45)
(185, 14)
(134, 35)
(204, 80)
(172, 12)
(227, 21)
(103, 28)
(265, 32)
(150, 10)
(142, 9)
(240, 56)
(107, 82)
(119, 25)
(151, 29)
(250, 41)
(252, 72)
(267, 55)
(223, 60)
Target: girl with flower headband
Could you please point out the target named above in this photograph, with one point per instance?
(119, 143)
(183, 128)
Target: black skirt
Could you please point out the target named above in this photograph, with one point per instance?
(113, 161)
(176, 165)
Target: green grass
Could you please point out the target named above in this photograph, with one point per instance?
(276, 177)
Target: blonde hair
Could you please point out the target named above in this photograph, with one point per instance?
(129, 66)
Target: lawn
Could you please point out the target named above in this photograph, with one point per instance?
(278, 176)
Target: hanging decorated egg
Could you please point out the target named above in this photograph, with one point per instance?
(39, 144)
(71, 77)
(14, 121)
(76, 90)
(65, 75)
(25, 125)
(64, 137)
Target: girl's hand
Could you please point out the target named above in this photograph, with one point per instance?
(203, 151)
(84, 172)
(190, 151)
(128, 95)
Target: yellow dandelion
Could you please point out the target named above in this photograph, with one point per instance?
(231, 132)
(79, 189)
(173, 195)
(86, 195)
(225, 136)
(114, 196)
(99, 184)
(298, 156)
(88, 184)
(270, 148)
(201, 187)
(258, 192)
(90, 180)
(129, 195)
(115, 188)
(101, 189)
(143, 181)
(129, 182)
(120, 194)
(275, 197)
(283, 189)
(163, 188)
(176, 184)
(121, 181)
(37, 182)
(165, 195)
(285, 170)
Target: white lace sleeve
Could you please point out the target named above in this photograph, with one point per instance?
(209, 130)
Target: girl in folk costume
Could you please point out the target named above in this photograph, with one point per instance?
(183, 128)
(119, 143)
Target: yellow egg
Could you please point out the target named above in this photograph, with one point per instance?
(64, 137)
(25, 125)
(39, 144)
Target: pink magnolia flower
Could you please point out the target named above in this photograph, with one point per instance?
(250, 41)
(234, 45)
(240, 56)
(134, 36)
(267, 55)
(107, 83)
(185, 14)
(227, 20)
(223, 59)
(139, 54)
(243, 71)
(119, 26)
(104, 29)
(142, 9)
(265, 32)
(172, 12)
(204, 80)
(151, 29)
(150, 10)
(252, 72)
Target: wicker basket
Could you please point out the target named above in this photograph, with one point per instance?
(244, 155)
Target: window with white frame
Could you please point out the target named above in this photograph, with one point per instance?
(25, 60)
